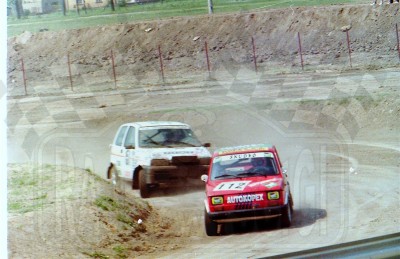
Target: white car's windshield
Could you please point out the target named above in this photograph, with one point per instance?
(167, 137)
(243, 165)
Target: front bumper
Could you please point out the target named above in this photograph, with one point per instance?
(247, 214)
(171, 173)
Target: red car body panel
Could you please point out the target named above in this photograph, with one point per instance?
(246, 195)
(233, 189)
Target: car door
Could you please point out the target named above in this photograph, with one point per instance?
(128, 164)
(118, 149)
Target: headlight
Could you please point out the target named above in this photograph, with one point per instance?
(217, 200)
(273, 195)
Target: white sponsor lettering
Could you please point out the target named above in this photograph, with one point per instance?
(242, 156)
(245, 198)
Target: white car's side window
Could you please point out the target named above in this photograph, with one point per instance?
(130, 138)
(120, 137)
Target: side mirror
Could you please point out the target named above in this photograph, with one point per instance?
(207, 145)
(284, 171)
(204, 178)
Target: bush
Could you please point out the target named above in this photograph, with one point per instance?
(27, 12)
(122, 3)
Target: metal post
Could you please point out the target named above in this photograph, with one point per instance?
(63, 8)
(161, 63)
(112, 4)
(113, 67)
(254, 54)
(348, 46)
(398, 40)
(300, 51)
(70, 73)
(210, 7)
(23, 74)
(84, 6)
(207, 58)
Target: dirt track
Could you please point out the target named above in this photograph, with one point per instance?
(345, 183)
(337, 131)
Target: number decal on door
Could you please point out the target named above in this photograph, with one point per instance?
(231, 186)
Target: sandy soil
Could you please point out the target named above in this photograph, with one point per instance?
(337, 129)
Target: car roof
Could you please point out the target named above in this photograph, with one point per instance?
(149, 124)
(243, 149)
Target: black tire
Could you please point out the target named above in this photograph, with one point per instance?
(135, 180)
(143, 187)
(109, 170)
(291, 201)
(211, 226)
(113, 176)
(286, 218)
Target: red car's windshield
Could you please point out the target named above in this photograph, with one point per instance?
(243, 165)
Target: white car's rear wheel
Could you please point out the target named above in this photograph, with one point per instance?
(115, 179)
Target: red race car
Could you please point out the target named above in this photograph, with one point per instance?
(246, 183)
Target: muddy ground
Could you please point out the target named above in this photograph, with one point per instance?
(337, 128)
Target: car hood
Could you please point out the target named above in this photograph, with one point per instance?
(145, 155)
(168, 153)
(244, 185)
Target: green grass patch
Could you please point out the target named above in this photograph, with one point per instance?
(125, 218)
(24, 194)
(33, 187)
(24, 207)
(121, 251)
(23, 181)
(106, 203)
(124, 212)
(94, 175)
(97, 255)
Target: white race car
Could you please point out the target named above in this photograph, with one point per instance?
(156, 152)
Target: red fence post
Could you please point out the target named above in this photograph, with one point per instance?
(398, 40)
(161, 63)
(348, 46)
(113, 67)
(207, 58)
(300, 51)
(254, 54)
(23, 74)
(69, 71)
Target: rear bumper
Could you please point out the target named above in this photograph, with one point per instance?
(248, 214)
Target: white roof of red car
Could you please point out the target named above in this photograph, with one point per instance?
(143, 124)
(243, 149)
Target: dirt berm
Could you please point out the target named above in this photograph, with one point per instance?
(182, 42)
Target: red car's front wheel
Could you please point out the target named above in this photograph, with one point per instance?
(211, 226)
